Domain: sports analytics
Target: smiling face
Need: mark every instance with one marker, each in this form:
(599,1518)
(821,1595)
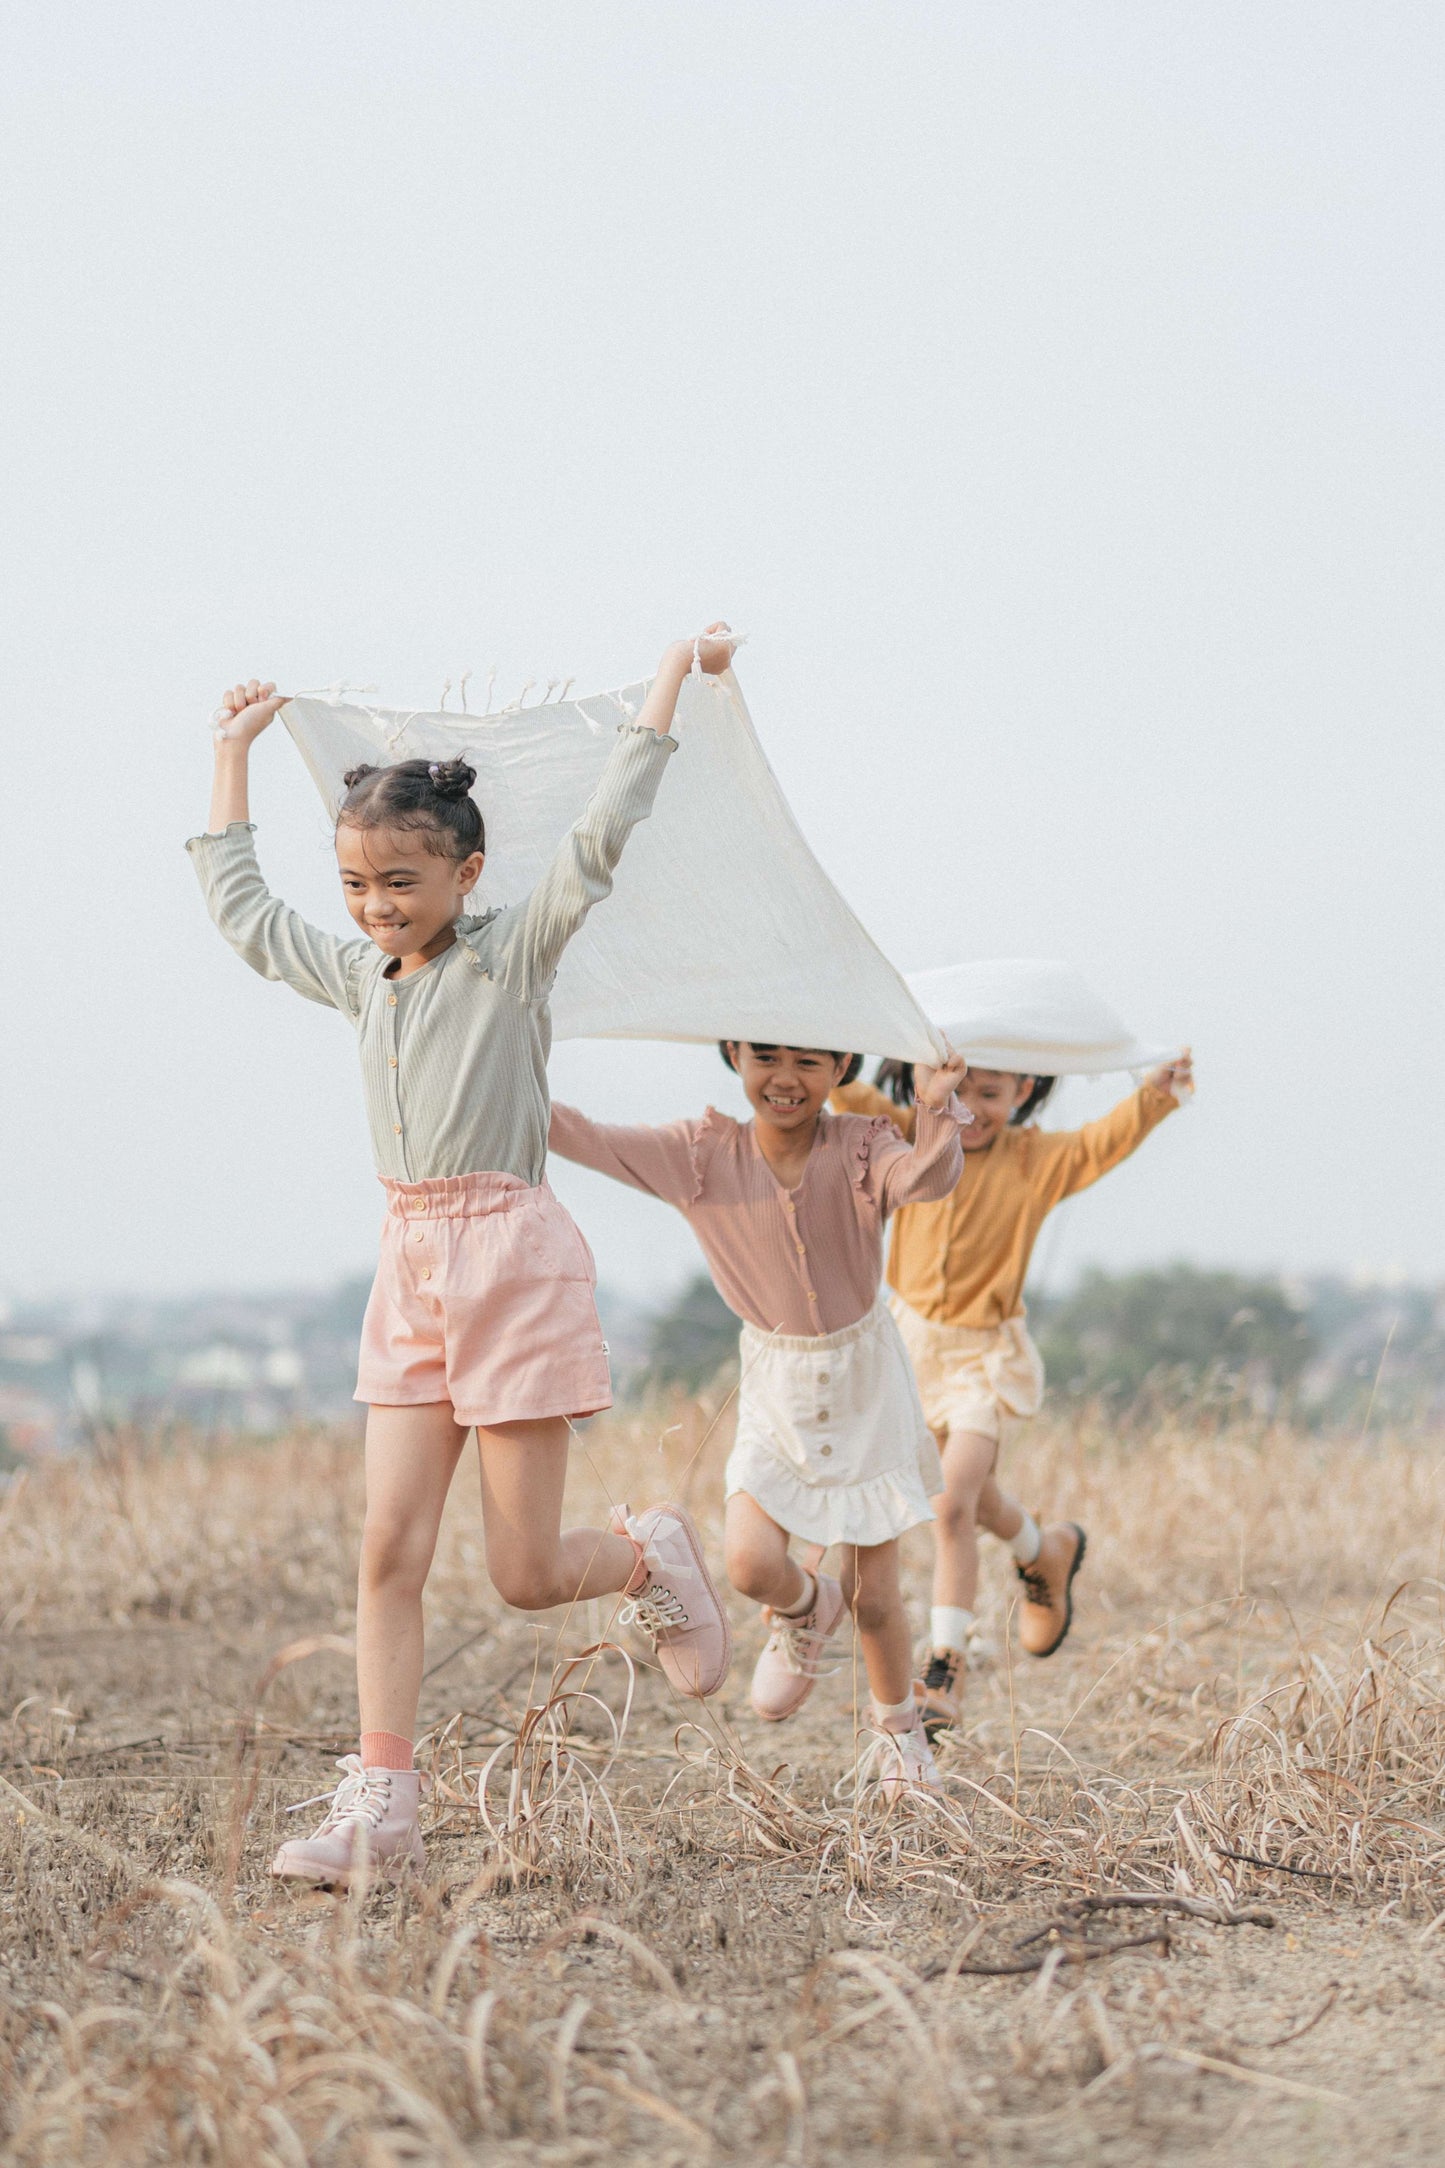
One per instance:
(991,1096)
(403,896)
(787,1086)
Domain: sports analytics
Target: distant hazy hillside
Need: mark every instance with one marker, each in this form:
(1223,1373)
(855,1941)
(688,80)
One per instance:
(209,1362)
(1322,1350)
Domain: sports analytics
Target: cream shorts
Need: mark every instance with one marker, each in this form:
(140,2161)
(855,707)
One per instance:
(971,1378)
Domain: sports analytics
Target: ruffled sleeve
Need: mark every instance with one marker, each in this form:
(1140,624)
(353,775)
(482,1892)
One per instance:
(890,1173)
(707,1135)
(867,1133)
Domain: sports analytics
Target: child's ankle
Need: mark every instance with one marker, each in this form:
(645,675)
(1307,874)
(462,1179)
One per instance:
(805,1602)
(949,1627)
(1026,1541)
(385,1750)
(894,1716)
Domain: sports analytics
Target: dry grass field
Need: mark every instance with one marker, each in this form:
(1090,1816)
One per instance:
(1182,1901)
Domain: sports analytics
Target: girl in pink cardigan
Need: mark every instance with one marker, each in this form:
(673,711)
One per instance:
(832,1446)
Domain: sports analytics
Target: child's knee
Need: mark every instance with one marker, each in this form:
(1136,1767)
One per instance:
(751,1571)
(527,1583)
(956,1512)
(392,1558)
(874,1608)
(871,1593)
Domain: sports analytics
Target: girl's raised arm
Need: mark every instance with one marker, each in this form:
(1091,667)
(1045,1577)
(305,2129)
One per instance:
(528,940)
(244,713)
(929,1167)
(265,933)
(1074,1159)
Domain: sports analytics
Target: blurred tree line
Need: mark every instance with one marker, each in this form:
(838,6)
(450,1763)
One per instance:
(1320,1351)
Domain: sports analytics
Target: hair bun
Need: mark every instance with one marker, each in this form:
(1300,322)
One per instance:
(353,776)
(451,778)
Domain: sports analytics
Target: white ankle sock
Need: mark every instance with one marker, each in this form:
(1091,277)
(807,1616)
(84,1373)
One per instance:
(896,1715)
(807,1600)
(1025,1545)
(949,1626)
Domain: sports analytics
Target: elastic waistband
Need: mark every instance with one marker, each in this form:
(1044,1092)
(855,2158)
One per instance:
(966,1336)
(756,1340)
(456,1196)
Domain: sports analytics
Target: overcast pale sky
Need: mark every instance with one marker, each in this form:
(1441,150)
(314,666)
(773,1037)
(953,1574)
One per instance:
(1053,393)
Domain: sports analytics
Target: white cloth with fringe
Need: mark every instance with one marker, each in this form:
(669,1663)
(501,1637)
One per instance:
(721,923)
(1038,1018)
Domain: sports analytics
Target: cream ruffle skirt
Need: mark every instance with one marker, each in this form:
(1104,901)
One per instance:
(831,1439)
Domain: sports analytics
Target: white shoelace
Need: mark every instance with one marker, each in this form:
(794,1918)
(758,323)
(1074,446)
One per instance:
(789,1641)
(656,1610)
(362,1795)
(901,1755)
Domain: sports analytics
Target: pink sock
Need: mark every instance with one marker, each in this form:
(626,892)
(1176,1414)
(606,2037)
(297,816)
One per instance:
(385,1750)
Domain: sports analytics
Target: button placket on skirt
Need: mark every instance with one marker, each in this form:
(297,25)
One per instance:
(822,1407)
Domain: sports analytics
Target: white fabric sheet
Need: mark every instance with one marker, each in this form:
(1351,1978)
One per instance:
(721,924)
(1042,1019)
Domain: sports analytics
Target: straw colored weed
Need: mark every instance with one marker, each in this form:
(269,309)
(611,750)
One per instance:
(658,1929)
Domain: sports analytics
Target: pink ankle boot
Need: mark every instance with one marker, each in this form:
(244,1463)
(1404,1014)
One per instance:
(674,1600)
(903,1759)
(370,1826)
(792,1658)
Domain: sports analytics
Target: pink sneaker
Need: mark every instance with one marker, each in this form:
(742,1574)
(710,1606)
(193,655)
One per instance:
(677,1605)
(789,1666)
(370,1824)
(904,1761)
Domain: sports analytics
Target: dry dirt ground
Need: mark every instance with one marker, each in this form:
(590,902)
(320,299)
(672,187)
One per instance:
(683,1936)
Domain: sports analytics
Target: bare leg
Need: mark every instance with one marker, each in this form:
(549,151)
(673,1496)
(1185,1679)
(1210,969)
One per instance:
(970,1499)
(875,1598)
(534,1565)
(756,1550)
(411,1456)
(1001,1515)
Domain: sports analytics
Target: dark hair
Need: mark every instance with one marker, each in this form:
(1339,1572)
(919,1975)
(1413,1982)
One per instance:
(854,1061)
(896,1078)
(431,796)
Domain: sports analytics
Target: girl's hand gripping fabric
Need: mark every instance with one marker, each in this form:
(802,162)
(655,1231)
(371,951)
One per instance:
(710,651)
(1176,1077)
(935,1087)
(245,711)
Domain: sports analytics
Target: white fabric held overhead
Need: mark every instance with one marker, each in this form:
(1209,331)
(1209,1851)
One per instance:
(721,923)
(1042,1019)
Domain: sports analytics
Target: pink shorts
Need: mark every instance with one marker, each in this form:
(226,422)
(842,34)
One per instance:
(484,1296)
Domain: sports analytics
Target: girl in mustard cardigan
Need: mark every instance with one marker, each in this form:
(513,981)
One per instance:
(956,1272)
